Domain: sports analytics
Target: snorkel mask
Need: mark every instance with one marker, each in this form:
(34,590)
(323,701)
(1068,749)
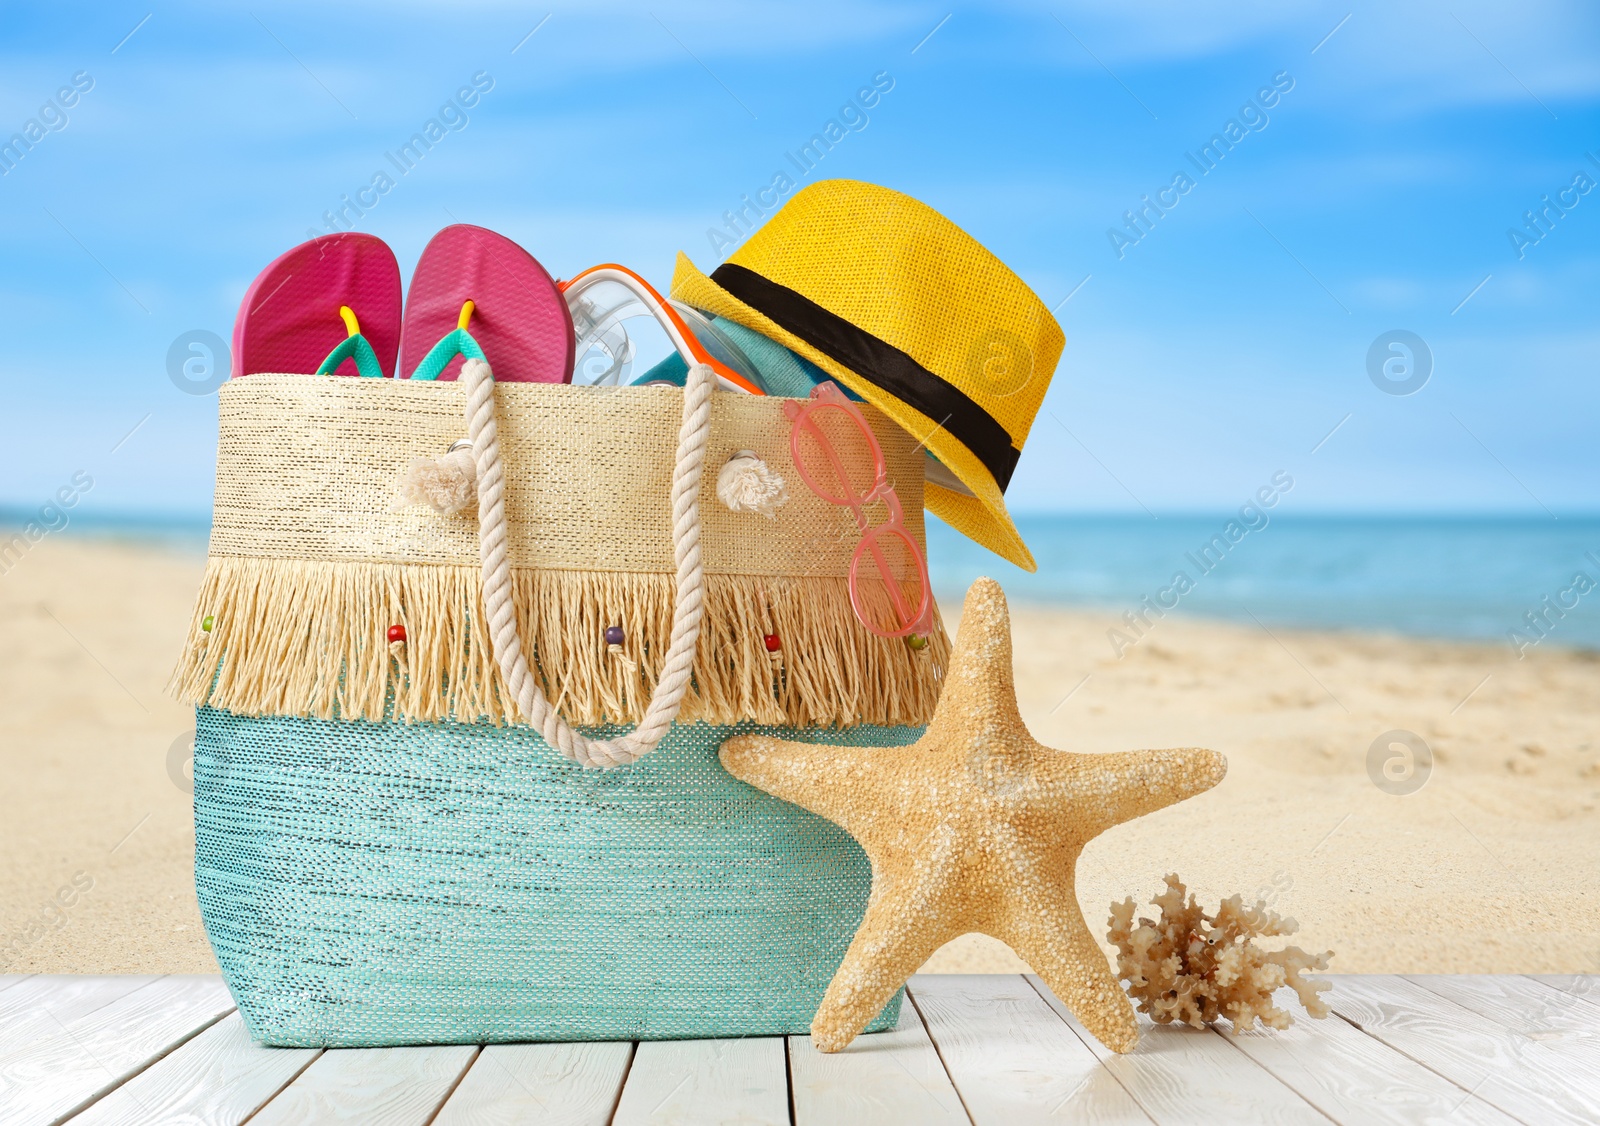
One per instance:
(627,331)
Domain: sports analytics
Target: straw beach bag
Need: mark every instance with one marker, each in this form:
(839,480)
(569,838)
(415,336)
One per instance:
(401,840)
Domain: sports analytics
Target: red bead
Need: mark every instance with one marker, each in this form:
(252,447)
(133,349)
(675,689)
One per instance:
(772,643)
(397,633)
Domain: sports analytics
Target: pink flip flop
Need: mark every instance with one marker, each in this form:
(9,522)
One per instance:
(290,320)
(518,317)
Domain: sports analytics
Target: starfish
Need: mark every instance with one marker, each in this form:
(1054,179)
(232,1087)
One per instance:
(974,827)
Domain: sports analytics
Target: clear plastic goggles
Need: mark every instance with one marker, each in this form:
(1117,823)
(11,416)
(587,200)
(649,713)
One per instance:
(629,334)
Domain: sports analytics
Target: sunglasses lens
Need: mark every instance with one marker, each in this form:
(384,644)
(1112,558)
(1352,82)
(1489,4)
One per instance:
(835,456)
(888,582)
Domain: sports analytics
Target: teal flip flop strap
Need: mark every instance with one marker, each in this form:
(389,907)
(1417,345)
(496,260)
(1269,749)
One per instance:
(456,342)
(356,348)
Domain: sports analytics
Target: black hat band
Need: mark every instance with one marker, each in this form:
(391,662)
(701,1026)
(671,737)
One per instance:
(879,363)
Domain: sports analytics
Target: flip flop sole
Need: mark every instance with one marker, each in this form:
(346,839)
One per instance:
(519,316)
(289,318)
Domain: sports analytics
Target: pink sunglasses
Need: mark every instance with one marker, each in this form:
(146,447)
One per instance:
(817,465)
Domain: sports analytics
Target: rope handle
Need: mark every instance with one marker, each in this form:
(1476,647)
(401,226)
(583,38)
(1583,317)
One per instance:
(688,607)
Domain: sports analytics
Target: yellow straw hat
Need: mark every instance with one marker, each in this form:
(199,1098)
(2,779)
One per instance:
(909,312)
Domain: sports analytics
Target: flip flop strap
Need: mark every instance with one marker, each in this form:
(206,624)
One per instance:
(356,348)
(688,607)
(456,342)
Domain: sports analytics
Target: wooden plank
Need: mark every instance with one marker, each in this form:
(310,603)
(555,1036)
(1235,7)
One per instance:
(1585,987)
(77,1047)
(219,1078)
(8,980)
(1565,1026)
(695,1082)
(1507,1070)
(554,1084)
(885,1079)
(1353,1077)
(1521,1004)
(68,997)
(1011,1058)
(392,1086)
(1183,1074)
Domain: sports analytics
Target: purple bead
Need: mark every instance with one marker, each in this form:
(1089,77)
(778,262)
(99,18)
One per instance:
(614,635)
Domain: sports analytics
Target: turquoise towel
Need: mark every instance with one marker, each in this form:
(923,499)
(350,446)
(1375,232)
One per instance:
(782,372)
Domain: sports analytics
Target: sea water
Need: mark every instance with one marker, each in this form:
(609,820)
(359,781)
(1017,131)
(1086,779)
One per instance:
(1424,576)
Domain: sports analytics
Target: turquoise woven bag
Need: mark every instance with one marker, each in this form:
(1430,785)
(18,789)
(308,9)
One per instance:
(388,850)
(367,884)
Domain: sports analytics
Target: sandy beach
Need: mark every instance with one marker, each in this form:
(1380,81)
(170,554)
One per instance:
(1493,865)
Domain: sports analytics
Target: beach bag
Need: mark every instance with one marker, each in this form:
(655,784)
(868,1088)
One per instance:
(390,849)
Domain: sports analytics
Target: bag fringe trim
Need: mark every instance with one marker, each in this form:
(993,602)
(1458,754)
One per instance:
(310,638)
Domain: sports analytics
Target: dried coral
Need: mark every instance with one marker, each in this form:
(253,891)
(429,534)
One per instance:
(1194,967)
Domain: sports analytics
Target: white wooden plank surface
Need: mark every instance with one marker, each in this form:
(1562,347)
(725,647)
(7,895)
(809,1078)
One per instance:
(1584,986)
(1352,1077)
(1503,1068)
(1521,1004)
(1012,1059)
(885,1079)
(1182,1074)
(78,1046)
(704,1082)
(219,1078)
(373,1086)
(1421,1049)
(552,1084)
(66,997)
(1565,1026)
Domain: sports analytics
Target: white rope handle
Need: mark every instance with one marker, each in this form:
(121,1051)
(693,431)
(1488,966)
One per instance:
(687,609)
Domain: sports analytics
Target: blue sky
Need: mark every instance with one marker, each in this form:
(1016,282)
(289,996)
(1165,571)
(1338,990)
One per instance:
(1221,348)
